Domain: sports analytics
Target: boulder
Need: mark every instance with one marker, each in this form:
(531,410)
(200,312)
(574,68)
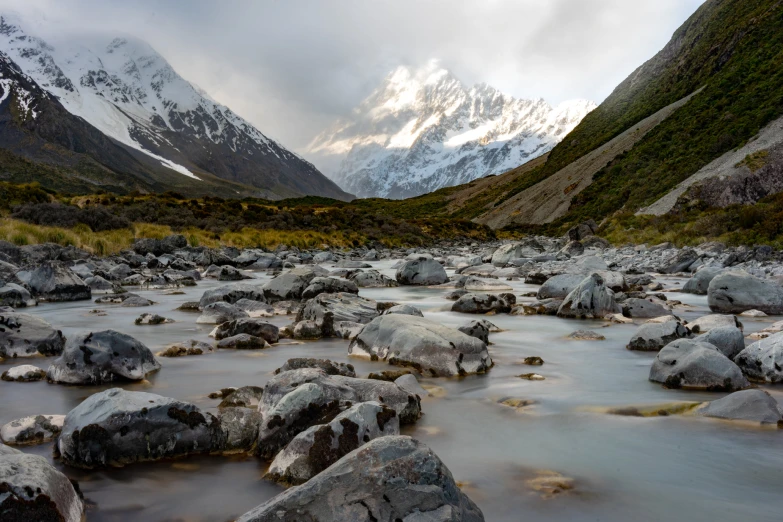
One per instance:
(328,285)
(152,320)
(746,405)
(99,357)
(477,329)
(421,271)
(505,253)
(430,347)
(255,327)
(651,337)
(242,341)
(410,384)
(372,279)
(320,446)
(590,299)
(484,303)
(117,427)
(559,286)
(25,335)
(240,429)
(157,247)
(644,308)
(727,339)
(689,364)
(244,397)
(32,490)
(32,430)
(348,263)
(343,307)
(735,292)
(762,361)
(582,230)
(55,282)
(586,335)
(298,399)
(405,310)
(331,368)
(474,284)
(220,312)
(231,294)
(700,282)
(389,478)
(16,296)
(289,285)
(190,347)
(23,373)
(706,323)
(229,273)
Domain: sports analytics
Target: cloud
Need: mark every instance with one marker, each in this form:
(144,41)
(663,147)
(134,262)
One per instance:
(292,67)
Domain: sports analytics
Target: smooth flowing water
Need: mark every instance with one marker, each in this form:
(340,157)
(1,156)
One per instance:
(623,468)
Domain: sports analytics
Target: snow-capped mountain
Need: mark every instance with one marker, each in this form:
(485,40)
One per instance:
(422,130)
(125,89)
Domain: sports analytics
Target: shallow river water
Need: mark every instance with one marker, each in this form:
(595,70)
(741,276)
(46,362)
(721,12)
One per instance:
(623,468)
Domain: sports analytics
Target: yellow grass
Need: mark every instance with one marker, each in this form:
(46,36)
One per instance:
(112,242)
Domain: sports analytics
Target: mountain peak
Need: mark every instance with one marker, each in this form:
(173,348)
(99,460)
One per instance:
(422,129)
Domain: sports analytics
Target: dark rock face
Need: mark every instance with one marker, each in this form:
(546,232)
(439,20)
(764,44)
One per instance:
(389,478)
(25,335)
(55,282)
(298,399)
(582,230)
(331,368)
(15,296)
(255,327)
(158,247)
(98,357)
(694,365)
(117,427)
(242,341)
(421,271)
(431,348)
(32,490)
(736,292)
(318,447)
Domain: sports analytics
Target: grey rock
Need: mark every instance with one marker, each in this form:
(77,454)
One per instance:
(700,282)
(342,306)
(220,312)
(231,294)
(689,364)
(389,478)
(559,286)
(421,271)
(320,446)
(25,335)
(644,309)
(34,491)
(706,323)
(99,357)
(255,327)
(117,427)
(430,347)
(762,361)
(55,282)
(240,429)
(289,285)
(328,285)
(484,303)
(405,310)
(16,296)
(190,347)
(477,329)
(372,279)
(23,373)
(330,367)
(736,292)
(651,337)
(746,405)
(728,339)
(244,397)
(242,341)
(590,299)
(229,273)
(410,384)
(36,429)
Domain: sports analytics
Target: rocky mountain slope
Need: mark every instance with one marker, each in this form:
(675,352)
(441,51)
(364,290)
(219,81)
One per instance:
(711,93)
(422,130)
(127,91)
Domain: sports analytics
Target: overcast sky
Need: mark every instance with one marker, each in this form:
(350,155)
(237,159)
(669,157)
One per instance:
(292,67)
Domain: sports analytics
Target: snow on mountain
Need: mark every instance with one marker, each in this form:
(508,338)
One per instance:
(123,87)
(422,130)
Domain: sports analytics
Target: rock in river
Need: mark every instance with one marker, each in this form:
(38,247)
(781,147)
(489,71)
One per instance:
(762,361)
(430,347)
(421,271)
(25,335)
(255,327)
(117,427)
(23,373)
(689,364)
(53,281)
(735,292)
(32,490)
(320,446)
(651,337)
(590,299)
(36,429)
(747,405)
(99,357)
(389,478)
